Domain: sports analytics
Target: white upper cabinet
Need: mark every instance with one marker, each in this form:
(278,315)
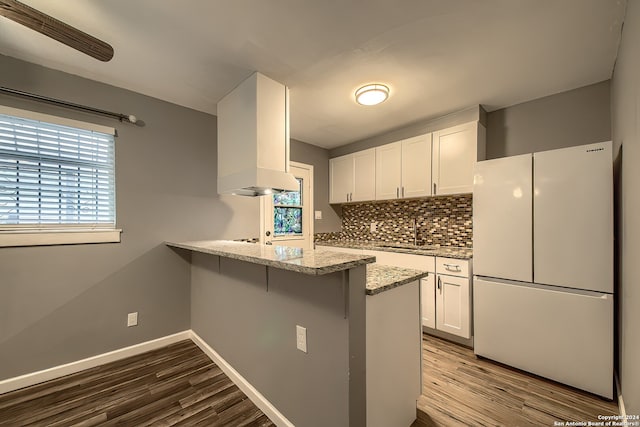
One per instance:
(455,152)
(352,177)
(341,179)
(389,171)
(364,175)
(416,166)
(403,168)
(431,164)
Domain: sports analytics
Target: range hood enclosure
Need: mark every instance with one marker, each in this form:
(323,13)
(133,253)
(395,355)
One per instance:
(253,139)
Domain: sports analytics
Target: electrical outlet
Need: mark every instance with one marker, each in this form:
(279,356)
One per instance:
(132,319)
(318,214)
(373,227)
(301,338)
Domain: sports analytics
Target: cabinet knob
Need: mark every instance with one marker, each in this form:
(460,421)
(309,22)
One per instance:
(440,284)
(397,192)
(434,188)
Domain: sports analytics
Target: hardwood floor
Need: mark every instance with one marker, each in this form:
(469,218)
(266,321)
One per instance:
(177,385)
(460,389)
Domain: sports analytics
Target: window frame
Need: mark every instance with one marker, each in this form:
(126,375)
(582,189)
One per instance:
(58,234)
(300,207)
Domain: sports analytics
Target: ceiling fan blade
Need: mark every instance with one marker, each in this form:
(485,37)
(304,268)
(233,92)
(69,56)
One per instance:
(58,30)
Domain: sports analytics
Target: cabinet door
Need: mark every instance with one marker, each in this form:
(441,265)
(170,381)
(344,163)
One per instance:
(428,300)
(340,179)
(364,172)
(416,166)
(388,171)
(452,305)
(455,152)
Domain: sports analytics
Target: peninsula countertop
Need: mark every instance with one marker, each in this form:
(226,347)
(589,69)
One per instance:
(382,278)
(306,261)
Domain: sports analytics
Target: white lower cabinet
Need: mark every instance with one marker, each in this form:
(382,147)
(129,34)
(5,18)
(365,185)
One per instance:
(428,301)
(445,294)
(453,296)
(453,308)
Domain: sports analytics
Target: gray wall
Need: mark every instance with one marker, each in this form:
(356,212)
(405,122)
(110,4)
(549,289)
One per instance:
(319,158)
(249,317)
(59,304)
(626,132)
(418,128)
(576,117)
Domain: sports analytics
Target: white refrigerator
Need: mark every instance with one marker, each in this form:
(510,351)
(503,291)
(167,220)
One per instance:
(543,264)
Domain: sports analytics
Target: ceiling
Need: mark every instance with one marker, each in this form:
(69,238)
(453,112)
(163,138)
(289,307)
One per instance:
(437,56)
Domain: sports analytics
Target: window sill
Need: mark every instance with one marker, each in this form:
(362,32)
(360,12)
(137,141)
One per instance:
(16,238)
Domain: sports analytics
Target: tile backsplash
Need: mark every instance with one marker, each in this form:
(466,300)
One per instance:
(442,220)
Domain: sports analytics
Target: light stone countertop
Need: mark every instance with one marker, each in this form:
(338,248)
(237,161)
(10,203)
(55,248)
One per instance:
(441,251)
(306,261)
(382,278)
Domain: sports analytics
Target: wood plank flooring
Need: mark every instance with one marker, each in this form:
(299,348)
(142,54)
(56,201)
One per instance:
(177,385)
(462,390)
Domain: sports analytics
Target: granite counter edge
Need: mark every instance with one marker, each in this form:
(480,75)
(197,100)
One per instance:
(283,265)
(440,252)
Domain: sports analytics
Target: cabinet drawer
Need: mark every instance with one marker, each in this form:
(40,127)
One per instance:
(452,266)
(396,259)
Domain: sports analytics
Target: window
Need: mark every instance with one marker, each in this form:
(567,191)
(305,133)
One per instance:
(57,180)
(287,212)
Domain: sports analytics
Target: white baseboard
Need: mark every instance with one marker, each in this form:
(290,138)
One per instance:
(256,397)
(33,378)
(623,411)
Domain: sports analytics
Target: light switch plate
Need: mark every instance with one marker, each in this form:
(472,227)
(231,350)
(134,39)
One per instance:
(301,338)
(132,319)
(318,214)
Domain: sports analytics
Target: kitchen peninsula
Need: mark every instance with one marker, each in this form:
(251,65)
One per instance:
(362,360)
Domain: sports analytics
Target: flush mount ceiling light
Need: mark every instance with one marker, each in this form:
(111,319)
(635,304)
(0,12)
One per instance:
(372,94)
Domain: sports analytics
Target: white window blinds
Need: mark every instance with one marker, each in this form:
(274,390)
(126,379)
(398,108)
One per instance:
(55,176)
